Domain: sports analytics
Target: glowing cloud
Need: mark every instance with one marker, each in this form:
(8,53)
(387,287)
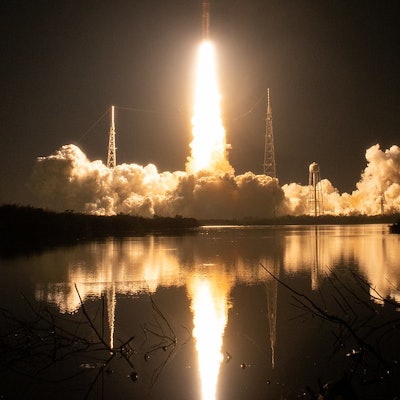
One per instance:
(377,191)
(68,180)
(208,148)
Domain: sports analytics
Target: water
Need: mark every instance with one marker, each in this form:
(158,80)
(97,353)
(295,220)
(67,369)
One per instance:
(226,312)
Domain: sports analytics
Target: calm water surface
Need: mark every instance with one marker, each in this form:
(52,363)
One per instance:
(224,313)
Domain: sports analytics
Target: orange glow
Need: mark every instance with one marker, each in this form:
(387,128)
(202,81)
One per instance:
(208,147)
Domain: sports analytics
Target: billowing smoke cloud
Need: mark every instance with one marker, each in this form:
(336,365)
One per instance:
(378,189)
(68,180)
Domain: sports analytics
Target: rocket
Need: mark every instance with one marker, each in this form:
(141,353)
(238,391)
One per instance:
(206,19)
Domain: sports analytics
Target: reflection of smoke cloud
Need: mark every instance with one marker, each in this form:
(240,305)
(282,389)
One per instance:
(68,180)
(224,256)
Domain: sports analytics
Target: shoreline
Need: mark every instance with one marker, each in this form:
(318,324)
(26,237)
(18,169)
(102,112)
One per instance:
(24,229)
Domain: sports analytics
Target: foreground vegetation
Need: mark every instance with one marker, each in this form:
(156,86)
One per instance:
(23,227)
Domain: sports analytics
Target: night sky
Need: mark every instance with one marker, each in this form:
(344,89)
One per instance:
(332,68)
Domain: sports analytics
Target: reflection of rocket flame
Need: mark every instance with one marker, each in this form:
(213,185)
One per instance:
(272,306)
(111,303)
(315,266)
(210,316)
(206,19)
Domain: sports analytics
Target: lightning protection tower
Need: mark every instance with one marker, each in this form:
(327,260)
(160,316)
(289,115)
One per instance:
(315,200)
(112,155)
(269,151)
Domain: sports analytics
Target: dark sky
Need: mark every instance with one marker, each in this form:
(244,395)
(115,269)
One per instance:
(332,67)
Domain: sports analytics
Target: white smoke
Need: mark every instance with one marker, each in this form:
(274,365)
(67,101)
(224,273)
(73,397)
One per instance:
(68,180)
(377,190)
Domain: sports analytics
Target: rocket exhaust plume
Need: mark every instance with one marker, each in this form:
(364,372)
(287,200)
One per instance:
(206,19)
(208,147)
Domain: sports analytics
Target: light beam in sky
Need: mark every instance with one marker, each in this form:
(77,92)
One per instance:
(208,147)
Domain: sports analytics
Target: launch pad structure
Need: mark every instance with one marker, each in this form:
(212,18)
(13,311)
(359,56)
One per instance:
(112,155)
(269,165)
(315,200)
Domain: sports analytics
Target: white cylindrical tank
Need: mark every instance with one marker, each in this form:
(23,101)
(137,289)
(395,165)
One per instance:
(315,195)
(314,167)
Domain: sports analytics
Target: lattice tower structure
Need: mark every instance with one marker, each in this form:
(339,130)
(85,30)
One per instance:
(315,199)
(112,155)
(383,202)
(269,149)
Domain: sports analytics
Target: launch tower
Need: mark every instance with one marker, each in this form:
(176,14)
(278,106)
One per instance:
(315,200)
(269,150)
(112,156)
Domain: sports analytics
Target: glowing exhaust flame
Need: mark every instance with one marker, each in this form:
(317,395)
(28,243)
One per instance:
(210,316)
(208,148)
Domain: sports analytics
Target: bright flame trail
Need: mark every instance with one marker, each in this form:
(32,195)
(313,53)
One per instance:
(208,148)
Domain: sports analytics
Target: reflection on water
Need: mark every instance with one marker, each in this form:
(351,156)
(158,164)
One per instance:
(136,265)
(209,302)
(111,302)
(272,305)
(209,266)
